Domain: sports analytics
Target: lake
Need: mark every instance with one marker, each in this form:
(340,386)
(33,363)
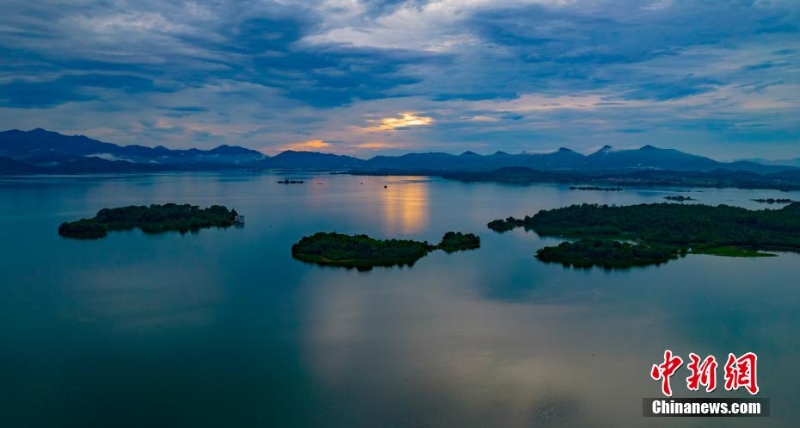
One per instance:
(222,328)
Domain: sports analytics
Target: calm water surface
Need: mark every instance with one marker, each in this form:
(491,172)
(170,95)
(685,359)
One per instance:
(224,329)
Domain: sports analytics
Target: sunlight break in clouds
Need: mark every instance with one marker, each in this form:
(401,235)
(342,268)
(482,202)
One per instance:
(406,120)
(382,146)
(303,146)
(717,78)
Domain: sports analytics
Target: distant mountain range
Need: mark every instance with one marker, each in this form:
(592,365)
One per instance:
(57,153)
(783,162)
(605,159)
(45,152)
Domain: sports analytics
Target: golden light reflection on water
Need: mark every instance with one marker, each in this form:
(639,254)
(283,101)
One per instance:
(405,205)
(473,354)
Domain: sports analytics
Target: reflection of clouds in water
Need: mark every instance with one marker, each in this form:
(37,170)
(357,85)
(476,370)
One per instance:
(576,352)
(337,322)
(486,338)
(117,296)
(506,364)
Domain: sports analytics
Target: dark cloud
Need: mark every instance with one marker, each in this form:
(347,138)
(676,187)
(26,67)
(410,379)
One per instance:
(476,96)
(558,46)
(335,77)
(669,90)
(187,109)
(67,88)
(516,74)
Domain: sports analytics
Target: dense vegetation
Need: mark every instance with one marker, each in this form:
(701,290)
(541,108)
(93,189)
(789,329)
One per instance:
(457,241)
(787,180)
(679,198)
(509,223)
(607,253)
(602,189)
(150,219)
(774,201)
(662,228)
(363,252)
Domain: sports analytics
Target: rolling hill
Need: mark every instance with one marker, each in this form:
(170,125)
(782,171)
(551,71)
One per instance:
(41,151)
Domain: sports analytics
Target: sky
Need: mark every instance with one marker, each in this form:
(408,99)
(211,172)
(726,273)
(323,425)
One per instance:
(719,78)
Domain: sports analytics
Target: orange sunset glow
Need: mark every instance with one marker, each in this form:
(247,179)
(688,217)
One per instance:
(405,205)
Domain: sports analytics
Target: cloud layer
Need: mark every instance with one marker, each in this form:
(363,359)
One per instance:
(720,78)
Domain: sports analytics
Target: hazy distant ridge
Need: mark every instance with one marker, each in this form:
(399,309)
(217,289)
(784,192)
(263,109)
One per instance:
(41,151)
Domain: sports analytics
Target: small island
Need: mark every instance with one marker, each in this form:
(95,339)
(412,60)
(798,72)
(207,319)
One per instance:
(150,219)
(509,223)
(364,253)
(287,181)
(679,198)
(601,189)
(607,253)
(457,241)
(645,234)
(773,201)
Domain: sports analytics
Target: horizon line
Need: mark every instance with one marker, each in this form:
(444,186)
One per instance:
(588,152)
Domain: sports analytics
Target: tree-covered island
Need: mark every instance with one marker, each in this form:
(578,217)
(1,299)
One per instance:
(150,219)
(607,253)
(597,188)
(619,237)
(457,241)
(679,198)
(363,252)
